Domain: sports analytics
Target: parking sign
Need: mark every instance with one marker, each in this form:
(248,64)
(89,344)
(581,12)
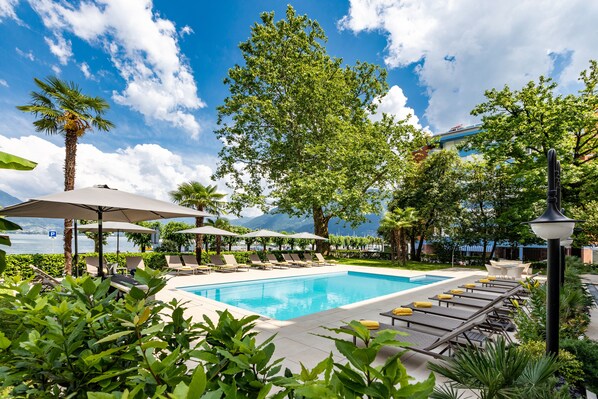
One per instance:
(52,233)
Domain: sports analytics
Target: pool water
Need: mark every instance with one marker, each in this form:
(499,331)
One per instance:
(290,297)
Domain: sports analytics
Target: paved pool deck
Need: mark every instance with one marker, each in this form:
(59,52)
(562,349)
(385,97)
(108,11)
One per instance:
(295,340)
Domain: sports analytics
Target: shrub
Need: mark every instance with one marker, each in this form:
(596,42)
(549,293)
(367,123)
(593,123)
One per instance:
(586,351)
(568,365)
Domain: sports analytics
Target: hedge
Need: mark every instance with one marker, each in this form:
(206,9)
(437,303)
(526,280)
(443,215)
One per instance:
(53,264)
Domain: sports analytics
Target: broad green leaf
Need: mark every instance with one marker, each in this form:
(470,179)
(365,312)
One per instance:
(8,225)
(9,161)
(115,336)
(198,383)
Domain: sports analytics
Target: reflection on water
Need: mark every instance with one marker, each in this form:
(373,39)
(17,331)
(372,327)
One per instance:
(42,244)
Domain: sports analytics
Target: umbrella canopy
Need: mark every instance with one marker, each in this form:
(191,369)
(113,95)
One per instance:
(116,227)
(88,203)
(99,203)
(208,230)
(307,236)
(263,233)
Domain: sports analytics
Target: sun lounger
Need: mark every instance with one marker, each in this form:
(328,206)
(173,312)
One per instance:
(221,266)
(255,261)
(133,263)
(92,265)
(437,310)
(191,261)
(231,260)
(298,261)
(320,257)
(43,278)
(276,263)
(467,302)
(124,284)
(314,262)
(173,263)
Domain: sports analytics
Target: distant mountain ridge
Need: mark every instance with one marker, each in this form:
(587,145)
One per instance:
(284,222)
(31,225)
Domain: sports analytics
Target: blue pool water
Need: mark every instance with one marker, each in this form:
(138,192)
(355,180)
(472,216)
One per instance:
(287,298)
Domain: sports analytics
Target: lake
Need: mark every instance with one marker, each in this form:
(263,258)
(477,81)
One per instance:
(42,244)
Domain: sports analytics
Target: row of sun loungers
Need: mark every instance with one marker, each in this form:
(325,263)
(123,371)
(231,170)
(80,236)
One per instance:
(478,312)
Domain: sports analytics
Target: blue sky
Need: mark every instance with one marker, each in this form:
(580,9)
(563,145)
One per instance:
(161,64)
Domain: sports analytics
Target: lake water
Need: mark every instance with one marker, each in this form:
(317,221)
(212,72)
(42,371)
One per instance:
(42,244)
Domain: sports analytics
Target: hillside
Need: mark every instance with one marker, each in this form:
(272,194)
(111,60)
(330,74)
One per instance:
(284,222)
(31,225)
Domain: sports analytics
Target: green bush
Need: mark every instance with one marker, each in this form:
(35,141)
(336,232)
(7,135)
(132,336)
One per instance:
(569,366)
(586,351)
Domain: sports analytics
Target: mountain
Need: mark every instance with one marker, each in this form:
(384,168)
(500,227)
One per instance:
(31,225)
(284,222)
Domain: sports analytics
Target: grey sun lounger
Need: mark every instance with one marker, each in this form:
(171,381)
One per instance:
(220,266)
(290,261)
(43,278)
(496,290)
(230,259)
(470,303)
(473,295)
(256,262)
(314,262)
(297,260)
(174,263)
(459,314)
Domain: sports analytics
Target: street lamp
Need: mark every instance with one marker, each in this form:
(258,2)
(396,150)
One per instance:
(553,226)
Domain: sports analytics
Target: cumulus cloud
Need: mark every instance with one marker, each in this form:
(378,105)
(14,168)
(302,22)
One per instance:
(146,169)
(25,54)
(60,47)
(56,69)
(465,47)
(395,103)
(7,9)
(142,46)
(3,83)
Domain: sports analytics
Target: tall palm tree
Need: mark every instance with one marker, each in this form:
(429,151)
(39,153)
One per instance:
(63,109)
(395,222)
(221,224)
(202,198)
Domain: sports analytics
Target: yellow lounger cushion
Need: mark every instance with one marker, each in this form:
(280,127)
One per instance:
(456,291)
(422,304)
(484,280)
(402,311)
(370,324)
(444,296)
(469,285)
(491,278)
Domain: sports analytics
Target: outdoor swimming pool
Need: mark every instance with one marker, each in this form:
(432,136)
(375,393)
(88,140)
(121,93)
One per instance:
(290,297)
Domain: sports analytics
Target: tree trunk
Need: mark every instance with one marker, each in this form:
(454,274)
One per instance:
(403,242)
(492,250)
(198,239)
(412,239)
(484,243)
(420,245)
(143,249)
(321,229)
(218,243)
(70,146)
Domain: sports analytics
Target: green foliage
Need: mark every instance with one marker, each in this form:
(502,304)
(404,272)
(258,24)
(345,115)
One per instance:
(9,161)
(141,240)
(169,233)
(499,371)
(394,224)
(299,119)
(80,338)
(574,310)
(570,367)
(586,351)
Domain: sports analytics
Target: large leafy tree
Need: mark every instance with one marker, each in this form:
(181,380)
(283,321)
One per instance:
(63,109)
(202,198)
(520,126)
(142,240)
(432,188)
(297,131)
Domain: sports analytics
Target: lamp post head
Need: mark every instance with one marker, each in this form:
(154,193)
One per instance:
(553,224)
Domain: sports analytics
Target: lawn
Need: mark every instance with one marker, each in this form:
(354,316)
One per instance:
(411,265)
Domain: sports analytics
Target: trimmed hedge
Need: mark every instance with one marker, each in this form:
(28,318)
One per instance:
(53,264)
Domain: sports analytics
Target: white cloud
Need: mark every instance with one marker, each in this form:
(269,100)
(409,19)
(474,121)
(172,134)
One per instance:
(3,83)
(56,69)
(466,46)
(25,54)
(60,47)
(7,9)
(84,67)
(144,49)
(146,169)
(185,30)
(395,103)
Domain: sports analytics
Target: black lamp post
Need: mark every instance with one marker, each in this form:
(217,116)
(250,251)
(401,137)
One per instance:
(553,226)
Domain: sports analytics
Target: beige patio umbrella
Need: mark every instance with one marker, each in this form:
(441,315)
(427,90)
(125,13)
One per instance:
(117,227)
(208,230)
(308,236)
(263,234)
(99,203)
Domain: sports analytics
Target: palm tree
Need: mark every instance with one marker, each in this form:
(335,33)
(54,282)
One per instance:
(395,222)
(221,224)
(202,198)
(63,109)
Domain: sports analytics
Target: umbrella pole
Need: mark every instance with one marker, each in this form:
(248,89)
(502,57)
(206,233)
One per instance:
(117,246)
(101,246)
(76,250)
